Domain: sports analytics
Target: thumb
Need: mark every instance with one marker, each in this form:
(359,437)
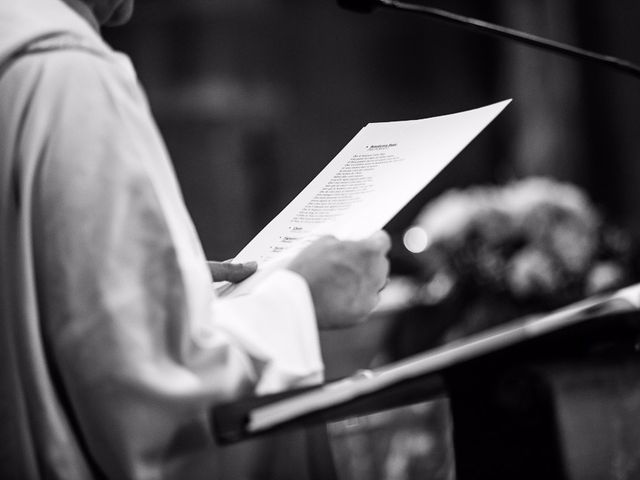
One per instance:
(380,241)
(231,272)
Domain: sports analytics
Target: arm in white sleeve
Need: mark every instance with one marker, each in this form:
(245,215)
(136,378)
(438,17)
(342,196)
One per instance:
(286,344)
(142,346)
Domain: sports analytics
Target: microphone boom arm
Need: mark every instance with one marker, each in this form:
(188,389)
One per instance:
(498,31)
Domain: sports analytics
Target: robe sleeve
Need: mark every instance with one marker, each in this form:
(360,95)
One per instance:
(141,346)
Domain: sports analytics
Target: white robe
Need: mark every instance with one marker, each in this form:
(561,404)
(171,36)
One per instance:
(113,347)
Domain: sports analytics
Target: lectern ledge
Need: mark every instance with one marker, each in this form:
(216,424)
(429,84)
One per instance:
(555,396)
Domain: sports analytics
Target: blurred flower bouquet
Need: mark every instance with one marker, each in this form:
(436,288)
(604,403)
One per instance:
(487,255)
(532,245)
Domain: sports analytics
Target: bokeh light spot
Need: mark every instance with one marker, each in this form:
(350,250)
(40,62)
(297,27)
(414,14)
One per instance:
(415,240)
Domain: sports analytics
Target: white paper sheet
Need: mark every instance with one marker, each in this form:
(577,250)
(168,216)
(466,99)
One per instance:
(374,176)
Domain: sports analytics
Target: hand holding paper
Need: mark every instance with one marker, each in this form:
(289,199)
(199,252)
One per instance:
(379,171)
(346,282)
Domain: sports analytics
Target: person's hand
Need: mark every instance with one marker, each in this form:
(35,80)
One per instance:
(345,277)
(228,271)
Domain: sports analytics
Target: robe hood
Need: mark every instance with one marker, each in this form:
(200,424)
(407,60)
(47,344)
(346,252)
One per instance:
(23,21)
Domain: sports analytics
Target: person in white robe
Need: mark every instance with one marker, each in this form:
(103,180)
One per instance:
(113,346)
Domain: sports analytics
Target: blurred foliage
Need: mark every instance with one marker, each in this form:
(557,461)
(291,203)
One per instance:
(533,245)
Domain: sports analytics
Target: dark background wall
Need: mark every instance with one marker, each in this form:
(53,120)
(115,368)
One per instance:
(256,96)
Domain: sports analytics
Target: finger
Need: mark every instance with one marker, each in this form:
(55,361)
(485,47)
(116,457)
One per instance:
(384,285)
(379,274)
(231,272)
(380,241)
(384,275)
(372,303)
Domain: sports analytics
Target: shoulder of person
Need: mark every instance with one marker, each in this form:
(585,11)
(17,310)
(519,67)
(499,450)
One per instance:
(65,42)
(69,55)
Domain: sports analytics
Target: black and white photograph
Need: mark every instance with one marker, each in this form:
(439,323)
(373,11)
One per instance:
(319,240)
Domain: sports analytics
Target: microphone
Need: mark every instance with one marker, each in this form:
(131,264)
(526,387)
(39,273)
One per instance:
(368,6)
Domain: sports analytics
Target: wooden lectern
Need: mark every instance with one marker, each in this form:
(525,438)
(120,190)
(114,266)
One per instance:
(566,409)
(561,402)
